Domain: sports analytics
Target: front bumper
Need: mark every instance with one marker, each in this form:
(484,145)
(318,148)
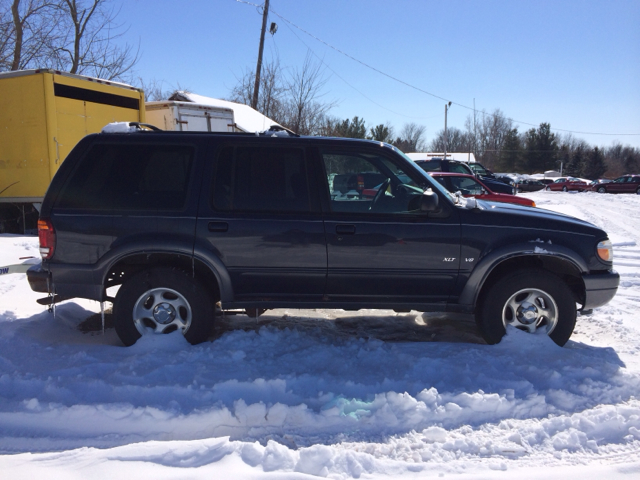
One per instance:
(600,288)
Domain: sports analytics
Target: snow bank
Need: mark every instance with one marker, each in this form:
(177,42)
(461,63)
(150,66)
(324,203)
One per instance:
(319,393)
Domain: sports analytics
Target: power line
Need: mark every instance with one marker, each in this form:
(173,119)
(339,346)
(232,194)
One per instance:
(418,88)
(339,76)
(349,84)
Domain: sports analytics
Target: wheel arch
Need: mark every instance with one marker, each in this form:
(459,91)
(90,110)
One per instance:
(556,259)
(211,274)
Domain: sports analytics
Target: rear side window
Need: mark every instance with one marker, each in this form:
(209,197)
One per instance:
(258,179)
(130,177)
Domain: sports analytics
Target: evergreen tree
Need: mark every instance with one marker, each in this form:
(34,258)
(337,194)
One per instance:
(510,158)
(351,128)
(575,165)
(381,133)
(594,166)
(540,149)
(531,161)
(547,147)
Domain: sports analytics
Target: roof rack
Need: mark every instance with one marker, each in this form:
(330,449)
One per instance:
(279,131)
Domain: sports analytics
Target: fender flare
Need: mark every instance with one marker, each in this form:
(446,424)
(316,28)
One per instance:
(177,246)
(489,262)
(212,260)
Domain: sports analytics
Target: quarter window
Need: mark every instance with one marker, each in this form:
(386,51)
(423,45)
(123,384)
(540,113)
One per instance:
(130,177)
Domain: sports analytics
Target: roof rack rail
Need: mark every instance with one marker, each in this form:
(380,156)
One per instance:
(279,130)
(142,126)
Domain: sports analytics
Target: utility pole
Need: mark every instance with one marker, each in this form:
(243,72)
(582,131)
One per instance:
(446,140)
(256,87)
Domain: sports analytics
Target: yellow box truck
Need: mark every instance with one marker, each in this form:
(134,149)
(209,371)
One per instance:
(43,114)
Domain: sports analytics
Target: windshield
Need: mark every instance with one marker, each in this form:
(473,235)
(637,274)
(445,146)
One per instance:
(430,183)
(479,169)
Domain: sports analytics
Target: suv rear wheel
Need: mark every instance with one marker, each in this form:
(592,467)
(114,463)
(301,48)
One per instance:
(530,301)
(162,300)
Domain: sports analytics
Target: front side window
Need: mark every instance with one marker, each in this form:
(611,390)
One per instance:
(130,177)
(369,183)
(258,179)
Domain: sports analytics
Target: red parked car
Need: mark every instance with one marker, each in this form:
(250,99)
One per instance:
(568,184)
(624,184)
(470,186)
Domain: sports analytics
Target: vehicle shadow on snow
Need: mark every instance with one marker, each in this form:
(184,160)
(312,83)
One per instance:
(400,327)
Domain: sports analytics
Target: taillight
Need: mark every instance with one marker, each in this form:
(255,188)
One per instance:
(360,183)
(47,237)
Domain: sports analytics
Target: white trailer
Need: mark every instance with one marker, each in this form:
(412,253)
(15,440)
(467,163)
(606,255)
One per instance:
(189,117)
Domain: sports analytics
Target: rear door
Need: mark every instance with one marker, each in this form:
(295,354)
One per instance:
(259,215)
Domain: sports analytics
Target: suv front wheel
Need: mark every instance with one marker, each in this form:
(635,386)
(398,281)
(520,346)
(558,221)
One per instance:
(530,301)
(159,301)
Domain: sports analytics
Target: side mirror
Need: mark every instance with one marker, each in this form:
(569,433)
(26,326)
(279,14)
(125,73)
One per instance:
(429,201)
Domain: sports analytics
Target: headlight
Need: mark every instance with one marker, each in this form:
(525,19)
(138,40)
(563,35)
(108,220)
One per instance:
(605,251)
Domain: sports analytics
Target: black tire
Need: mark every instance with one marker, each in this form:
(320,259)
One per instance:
(163,300)
(494,311)
(564,189)
(602,190)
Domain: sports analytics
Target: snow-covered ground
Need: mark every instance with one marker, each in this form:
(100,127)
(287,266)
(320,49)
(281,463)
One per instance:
(297,394)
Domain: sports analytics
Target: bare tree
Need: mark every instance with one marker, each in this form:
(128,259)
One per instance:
(91,44)
(77,36)
(411,138)
(271,93)
(304,113)
(6,35)
(492,132)
(457,141)
(471,127)
(29,30)
(156,90)
(621,160)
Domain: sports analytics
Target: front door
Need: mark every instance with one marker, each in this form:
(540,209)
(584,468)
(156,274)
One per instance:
(381,247)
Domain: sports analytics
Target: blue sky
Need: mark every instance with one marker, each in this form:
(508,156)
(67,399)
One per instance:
(572,63)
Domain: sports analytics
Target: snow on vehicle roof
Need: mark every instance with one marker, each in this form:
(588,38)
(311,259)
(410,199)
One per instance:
(246,118)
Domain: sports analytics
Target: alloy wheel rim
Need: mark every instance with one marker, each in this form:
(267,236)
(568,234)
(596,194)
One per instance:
(162,310)
(531,309)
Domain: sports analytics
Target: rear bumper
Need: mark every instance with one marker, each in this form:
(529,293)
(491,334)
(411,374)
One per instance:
(600,288)
(39,279)
(67,282)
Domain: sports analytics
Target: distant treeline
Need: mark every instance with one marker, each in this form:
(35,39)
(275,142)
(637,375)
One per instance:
(502,148)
